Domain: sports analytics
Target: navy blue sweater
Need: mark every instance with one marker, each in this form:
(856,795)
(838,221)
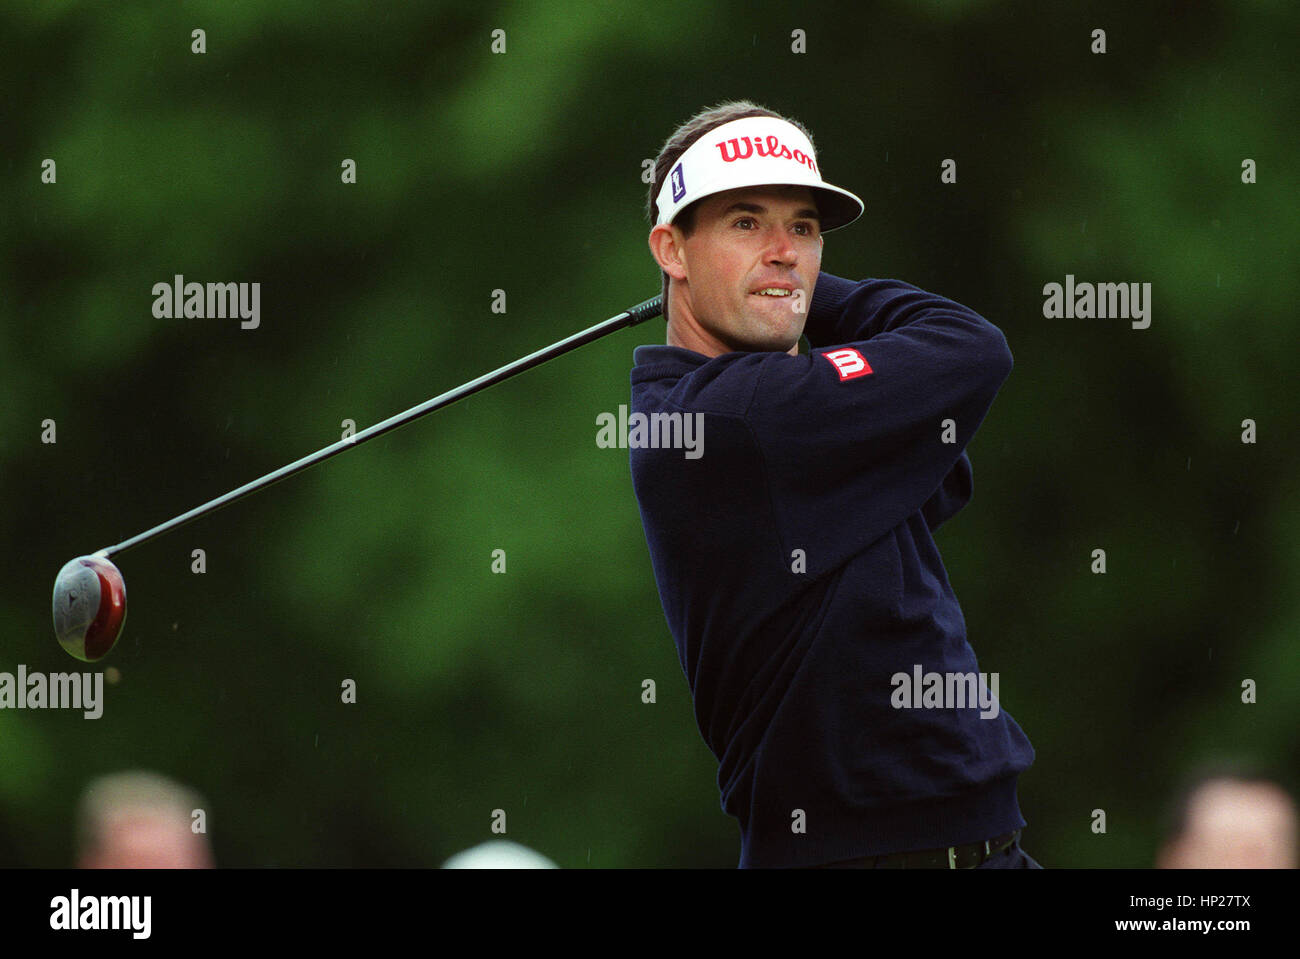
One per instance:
(789,656)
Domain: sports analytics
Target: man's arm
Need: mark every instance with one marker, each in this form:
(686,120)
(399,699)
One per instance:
(852,435)
(953,493)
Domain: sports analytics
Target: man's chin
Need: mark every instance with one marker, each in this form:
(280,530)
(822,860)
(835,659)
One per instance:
(772,342)
(760,334)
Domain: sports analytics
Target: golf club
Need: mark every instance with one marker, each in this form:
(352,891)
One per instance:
(89,592)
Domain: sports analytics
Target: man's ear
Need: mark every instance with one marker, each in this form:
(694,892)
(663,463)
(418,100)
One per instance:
(666,247)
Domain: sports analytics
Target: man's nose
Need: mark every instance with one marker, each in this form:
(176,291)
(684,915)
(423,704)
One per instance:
(781,246)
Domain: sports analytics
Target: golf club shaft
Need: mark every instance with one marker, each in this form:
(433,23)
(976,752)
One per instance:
(629,317)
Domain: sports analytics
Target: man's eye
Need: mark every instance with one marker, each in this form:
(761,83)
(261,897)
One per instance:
(806,229)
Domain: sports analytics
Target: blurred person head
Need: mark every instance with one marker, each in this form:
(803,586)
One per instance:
(499,854)
(139,820)
(1230,816)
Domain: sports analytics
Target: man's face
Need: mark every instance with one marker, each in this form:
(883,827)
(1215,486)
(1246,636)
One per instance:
(745,240)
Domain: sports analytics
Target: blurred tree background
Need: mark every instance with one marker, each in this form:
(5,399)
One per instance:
(521,171)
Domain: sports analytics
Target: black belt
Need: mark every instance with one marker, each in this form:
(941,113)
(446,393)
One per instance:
(952,857)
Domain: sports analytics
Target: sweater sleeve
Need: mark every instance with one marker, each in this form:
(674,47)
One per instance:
(953,493)
(852,434)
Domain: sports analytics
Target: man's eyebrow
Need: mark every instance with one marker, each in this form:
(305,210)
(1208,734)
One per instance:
(807,213)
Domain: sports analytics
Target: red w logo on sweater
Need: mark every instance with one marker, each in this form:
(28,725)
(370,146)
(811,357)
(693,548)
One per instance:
(849,363)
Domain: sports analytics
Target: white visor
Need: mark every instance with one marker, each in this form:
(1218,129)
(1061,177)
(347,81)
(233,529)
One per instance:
(754,151)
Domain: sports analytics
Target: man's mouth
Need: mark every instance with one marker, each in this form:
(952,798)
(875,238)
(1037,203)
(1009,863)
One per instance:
(773,291)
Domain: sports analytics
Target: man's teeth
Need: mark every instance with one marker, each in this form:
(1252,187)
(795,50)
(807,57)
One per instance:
(773,291)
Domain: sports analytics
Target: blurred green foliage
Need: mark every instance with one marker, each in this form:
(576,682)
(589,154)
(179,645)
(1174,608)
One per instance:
(521,172)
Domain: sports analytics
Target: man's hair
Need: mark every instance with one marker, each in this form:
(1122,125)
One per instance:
(1177,813)
(677,144)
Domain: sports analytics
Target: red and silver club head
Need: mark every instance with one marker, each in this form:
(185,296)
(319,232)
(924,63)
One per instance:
(89,607)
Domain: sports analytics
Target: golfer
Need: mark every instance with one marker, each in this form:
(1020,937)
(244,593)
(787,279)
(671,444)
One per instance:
(824,648)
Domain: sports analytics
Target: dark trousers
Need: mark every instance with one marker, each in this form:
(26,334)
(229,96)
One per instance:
(1013,857)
